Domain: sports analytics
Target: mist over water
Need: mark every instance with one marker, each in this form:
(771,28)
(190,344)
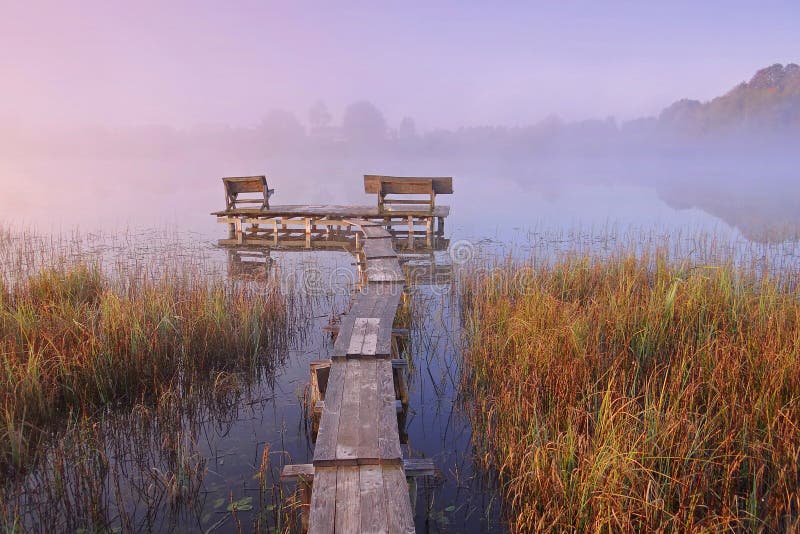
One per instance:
(752,194)
(562,126)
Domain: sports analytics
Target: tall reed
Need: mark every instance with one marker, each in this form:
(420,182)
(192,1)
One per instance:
(77,336)
(634,391)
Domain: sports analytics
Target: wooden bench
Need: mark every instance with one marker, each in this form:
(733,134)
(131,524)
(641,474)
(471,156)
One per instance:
(398,185)
(235,186)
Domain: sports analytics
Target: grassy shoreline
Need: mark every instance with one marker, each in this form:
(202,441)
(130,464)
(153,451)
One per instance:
(77,337)
(633,392)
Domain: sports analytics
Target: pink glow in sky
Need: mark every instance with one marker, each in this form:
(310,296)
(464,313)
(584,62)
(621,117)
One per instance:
(443,63)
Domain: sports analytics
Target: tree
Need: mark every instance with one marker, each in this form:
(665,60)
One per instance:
(280,128)
(318,115)
(407,129)
(363,123)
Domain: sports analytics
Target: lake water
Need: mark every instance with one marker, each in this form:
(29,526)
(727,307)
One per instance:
(497,208)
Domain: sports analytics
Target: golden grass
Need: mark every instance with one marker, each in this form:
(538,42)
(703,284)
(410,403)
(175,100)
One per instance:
(634,393)
(77,337)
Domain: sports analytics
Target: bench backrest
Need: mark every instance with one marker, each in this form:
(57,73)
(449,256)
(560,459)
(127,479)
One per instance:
(236,185)
(408,185)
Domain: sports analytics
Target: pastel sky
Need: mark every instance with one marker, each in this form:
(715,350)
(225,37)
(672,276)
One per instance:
(444,63)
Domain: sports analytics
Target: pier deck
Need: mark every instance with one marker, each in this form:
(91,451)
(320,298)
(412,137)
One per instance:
(332,211)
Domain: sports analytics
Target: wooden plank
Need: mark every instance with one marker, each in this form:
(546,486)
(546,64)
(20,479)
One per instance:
(375,232)
(413,467)
(391,301)
(323,501)
(341,346)
(371,336)
(330,211)
(388,435)
(379,248)
(419,467)
(374,513)
(385,270)
(357,336)
(368,449)
(400,517)
(325,448)
(349,426)
(295,471)
(348,500)
(334,329)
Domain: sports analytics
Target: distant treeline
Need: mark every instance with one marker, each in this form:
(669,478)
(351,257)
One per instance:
(755,114)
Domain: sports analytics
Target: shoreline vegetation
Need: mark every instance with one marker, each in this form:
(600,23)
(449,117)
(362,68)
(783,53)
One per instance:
(113,356)
(636,390)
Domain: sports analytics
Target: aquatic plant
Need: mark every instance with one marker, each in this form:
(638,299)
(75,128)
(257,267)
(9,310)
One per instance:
(77,337)
(636,391)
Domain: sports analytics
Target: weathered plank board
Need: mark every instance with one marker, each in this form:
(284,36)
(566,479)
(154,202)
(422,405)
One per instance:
(327,436)
(378,248)
(323,501)
(348,500)
(364,337)
(331,211)
(368,450)
(413,467)
(347,439)
(375,232)
(374,508)
(376,301)
(400,516)
(371,337)
(390,299)
(385,270)
(388,434)
(441,185)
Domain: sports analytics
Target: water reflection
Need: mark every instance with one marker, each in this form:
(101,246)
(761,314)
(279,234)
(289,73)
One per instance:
(754,195)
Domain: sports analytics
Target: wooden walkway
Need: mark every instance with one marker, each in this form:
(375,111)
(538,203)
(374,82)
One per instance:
(358,478)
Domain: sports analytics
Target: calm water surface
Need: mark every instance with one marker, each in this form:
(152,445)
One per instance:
(227,438)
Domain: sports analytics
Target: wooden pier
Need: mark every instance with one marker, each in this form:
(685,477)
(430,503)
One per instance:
(414,215)
(359,480)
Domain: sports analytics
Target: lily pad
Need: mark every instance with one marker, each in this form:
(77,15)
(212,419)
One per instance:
(242,505)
